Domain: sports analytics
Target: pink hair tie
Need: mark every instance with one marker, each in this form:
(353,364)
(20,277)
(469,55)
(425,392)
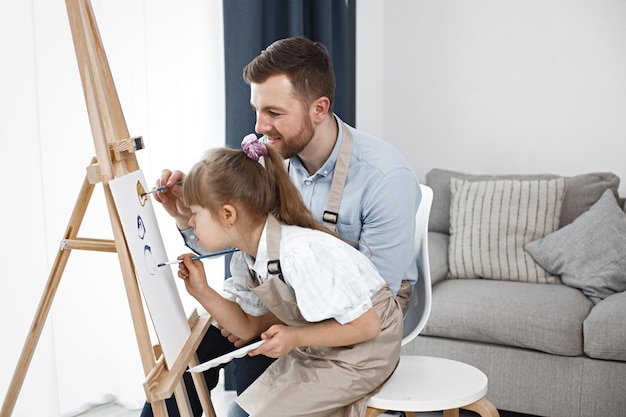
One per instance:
(253,147)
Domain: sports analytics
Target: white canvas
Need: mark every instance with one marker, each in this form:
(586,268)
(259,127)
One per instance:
(147,250)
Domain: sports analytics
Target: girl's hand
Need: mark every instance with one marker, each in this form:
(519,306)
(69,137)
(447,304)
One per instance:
(281,340)
(192,272)
(172,197)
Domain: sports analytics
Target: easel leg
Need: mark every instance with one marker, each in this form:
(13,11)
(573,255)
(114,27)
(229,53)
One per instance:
(182,400)
(46,300)
(159,409)
(202,390)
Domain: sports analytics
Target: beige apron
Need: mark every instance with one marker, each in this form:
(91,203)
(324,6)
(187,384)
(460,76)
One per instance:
(331,214)
(320,381)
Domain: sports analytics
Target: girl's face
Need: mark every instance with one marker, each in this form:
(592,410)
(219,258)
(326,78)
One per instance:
(211,232)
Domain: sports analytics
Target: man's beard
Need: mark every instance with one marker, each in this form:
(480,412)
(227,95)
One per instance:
(294,145)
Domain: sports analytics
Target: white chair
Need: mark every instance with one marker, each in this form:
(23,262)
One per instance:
(423,383)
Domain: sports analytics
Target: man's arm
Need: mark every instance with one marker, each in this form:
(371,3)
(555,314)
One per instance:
(388,230)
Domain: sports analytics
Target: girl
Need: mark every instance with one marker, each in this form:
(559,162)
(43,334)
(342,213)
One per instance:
(341,328)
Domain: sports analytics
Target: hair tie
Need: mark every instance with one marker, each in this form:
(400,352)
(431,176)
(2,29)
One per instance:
(253,147)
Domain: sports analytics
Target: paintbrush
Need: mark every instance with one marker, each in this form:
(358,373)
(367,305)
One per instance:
(161,188)
(195,258)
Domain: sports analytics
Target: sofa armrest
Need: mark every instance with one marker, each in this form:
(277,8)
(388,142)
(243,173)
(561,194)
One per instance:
(438,256)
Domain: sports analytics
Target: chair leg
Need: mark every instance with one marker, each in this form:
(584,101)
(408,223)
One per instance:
(483,407)
(373,412)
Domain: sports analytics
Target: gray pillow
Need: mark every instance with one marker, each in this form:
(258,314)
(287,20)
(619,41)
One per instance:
(580,193)
(590,253)
(491,221)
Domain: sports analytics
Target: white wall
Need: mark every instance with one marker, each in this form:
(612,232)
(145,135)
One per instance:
(488,86)
(166,60)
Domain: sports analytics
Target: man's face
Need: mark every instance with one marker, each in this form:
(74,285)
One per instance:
(280,116)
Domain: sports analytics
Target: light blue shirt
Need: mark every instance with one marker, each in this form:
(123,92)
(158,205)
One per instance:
(378,206)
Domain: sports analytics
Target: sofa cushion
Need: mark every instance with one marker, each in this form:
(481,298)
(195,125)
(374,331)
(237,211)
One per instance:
(605,329)
(491,221)
(547,318)
(438,256)
(580,193)
(590,253)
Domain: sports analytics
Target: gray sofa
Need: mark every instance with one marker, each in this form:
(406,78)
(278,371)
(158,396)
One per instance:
(546,321)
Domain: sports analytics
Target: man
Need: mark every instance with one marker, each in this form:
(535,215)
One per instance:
(351,181)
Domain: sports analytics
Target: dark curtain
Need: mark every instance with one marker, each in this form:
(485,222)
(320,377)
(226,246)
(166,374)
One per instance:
(251,25)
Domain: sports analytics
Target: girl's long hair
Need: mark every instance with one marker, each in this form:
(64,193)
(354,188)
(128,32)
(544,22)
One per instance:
(228,176)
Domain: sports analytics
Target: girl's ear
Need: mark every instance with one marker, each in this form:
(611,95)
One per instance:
(229,214)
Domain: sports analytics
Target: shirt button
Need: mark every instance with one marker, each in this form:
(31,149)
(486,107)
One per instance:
(307,182)
(193,237)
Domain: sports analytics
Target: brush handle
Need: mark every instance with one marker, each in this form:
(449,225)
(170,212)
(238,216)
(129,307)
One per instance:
(156,190)
(161,188)
(196,258)
(169,263)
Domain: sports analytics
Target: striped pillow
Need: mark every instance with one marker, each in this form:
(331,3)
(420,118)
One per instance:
(491,221)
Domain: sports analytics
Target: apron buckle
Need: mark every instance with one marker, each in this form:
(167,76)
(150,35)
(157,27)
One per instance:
(273,267)
(330,217)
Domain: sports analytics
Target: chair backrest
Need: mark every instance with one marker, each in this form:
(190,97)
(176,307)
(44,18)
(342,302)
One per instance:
(421,296)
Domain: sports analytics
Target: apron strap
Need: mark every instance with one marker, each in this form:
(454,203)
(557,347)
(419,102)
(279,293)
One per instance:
(273,246)
(331,214)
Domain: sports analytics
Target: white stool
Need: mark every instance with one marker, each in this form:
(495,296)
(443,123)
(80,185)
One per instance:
(424,383)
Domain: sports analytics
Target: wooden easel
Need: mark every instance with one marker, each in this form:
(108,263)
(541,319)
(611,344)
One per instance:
(115,157)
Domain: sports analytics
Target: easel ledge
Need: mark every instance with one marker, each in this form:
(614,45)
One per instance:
(160,383)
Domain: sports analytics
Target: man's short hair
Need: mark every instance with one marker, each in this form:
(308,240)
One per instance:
(306,64)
